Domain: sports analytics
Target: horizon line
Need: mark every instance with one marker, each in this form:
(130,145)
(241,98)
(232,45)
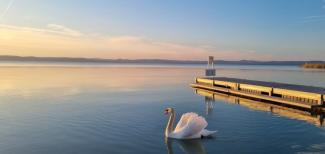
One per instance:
(158,59)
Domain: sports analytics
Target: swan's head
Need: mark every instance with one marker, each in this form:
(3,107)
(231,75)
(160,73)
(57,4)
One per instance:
(168,111)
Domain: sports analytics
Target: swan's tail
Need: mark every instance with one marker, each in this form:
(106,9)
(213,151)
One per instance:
(207,133)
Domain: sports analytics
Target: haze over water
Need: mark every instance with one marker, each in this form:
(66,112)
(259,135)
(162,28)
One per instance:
(119,109)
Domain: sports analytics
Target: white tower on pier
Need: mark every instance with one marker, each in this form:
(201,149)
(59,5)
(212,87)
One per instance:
(210,70)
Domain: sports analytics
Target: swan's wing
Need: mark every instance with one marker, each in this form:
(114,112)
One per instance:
(207,133)
(184,120)
(193,128)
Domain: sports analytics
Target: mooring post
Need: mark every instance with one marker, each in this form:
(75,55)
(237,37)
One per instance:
(237,86)
(321,100)
(271,92)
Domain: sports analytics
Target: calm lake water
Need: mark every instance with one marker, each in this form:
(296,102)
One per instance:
(119,109)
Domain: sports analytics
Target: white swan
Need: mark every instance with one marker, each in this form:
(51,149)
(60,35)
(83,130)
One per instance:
(190,126)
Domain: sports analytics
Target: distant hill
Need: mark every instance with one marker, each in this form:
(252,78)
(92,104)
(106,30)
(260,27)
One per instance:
(146,61)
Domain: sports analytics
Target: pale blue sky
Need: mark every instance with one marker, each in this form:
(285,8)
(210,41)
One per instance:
(280,29)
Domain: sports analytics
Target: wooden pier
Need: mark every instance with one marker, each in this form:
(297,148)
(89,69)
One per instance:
(304,97)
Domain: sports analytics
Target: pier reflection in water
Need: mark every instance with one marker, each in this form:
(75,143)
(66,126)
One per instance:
(292,113)
(209,104)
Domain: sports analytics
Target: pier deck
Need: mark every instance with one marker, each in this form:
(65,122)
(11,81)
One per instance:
(306,97)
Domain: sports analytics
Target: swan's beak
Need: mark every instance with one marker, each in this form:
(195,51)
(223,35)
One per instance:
(165,112)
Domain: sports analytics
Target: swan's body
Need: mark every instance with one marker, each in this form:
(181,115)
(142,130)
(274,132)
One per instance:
(190,126)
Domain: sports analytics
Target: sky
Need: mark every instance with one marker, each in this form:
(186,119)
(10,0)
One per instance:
(164,29)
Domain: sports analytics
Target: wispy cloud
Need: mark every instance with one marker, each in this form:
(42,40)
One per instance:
(64,30)
(316,18)
(3,14)
(50,29)
(58,40)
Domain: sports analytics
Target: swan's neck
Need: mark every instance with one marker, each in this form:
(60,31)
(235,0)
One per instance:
(170,123)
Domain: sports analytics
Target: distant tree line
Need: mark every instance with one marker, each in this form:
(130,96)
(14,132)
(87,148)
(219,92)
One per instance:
(314,65)
(153,61)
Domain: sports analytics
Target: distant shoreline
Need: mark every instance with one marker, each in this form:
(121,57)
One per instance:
(9,58)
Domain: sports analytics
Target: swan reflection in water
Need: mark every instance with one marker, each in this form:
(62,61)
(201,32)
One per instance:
(191,146)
